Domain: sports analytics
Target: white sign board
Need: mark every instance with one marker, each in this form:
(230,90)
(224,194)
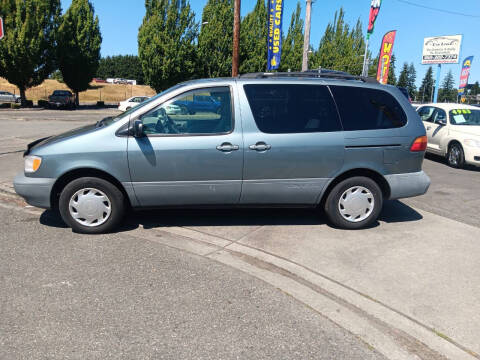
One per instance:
(442,49)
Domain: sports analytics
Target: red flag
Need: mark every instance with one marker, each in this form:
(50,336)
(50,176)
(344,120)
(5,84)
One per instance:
(374,10)
(1,28)
(386,52)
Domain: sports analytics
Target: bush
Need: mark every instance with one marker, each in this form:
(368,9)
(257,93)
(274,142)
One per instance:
(14,106)
(100,103)
(43,103)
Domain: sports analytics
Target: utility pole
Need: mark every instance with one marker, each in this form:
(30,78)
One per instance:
(236,39)
(306,39)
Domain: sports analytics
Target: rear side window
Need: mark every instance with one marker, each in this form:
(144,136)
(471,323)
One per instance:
(282,109)
(368,109)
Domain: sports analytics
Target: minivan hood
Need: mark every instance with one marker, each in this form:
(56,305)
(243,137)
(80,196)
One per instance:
(467,129)
(66,135)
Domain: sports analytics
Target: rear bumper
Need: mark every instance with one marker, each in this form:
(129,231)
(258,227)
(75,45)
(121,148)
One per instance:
(407,185)
(35,191)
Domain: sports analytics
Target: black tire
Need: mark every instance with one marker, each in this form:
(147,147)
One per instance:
(332,207)
(456,156)
(117,204)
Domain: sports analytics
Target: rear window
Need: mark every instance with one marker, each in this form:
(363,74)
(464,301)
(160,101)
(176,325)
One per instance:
(61,93)
(281,109)
(368,109)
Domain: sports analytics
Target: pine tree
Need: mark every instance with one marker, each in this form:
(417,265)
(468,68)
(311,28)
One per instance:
(215,39)
(403,78)
(447,92)
(411,79)
(392,78)
(341,48)
(79,42)
(426,89)
(27,52)
(292,51)
(253,40)
(166,43)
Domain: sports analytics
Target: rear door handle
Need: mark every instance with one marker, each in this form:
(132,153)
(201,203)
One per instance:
(227,147)
(260,146)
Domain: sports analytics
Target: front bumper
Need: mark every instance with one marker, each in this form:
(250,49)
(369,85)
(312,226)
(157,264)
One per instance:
(407,185)
(472,155)
(35,191)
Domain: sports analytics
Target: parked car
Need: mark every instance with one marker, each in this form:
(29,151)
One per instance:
(453,131)
(131,103)
(342,145)
(8,97)
(61,99)
(199,103)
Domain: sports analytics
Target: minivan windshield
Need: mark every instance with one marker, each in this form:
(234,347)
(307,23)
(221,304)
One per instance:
(465,117)
(112,119)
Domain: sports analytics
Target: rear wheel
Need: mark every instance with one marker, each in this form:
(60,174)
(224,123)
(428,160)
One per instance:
(92,205)
(456,156)
(354,203)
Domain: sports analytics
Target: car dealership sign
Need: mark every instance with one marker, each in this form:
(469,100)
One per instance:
(442,49)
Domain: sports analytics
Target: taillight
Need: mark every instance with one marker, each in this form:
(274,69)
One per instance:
(420,144)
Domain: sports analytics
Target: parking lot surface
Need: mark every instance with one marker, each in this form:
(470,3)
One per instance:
(409,286)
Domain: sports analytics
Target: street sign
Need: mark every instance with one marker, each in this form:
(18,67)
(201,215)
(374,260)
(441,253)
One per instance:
(1,28)
(442,50)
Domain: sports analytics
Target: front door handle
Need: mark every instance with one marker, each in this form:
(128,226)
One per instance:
(227,147)
(429,127)
(260,146)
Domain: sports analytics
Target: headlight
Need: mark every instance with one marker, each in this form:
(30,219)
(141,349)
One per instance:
(32,163)
(472,143)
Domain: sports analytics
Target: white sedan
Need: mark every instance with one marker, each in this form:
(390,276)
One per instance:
(132,102)
(453,131)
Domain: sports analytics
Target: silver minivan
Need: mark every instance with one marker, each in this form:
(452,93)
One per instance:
(329,141)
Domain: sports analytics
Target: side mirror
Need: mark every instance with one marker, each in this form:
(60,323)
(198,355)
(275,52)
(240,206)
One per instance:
(442,122)
(138,129)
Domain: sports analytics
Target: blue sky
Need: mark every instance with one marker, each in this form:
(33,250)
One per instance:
(120,20)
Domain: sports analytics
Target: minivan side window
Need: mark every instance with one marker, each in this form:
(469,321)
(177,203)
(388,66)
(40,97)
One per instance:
(182,115)
(368,109)
(285,108)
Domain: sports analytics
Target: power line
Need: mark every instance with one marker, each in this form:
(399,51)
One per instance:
(439,10)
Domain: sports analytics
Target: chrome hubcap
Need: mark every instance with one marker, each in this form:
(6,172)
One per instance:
(454,155)
(356,204)
(90,207)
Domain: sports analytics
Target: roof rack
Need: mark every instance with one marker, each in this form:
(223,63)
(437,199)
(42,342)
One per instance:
(323,73)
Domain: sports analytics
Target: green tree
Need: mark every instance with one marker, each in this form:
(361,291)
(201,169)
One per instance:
(447,92)
(27,52)
(341,48)
(292,51)
(166,43)
(79,42)
(411,79)
(426,88)
(403,77)
(392,78)
(215,39)
(253,40)
(120,66)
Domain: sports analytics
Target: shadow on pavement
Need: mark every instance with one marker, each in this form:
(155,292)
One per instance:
(441,160)
(393,212)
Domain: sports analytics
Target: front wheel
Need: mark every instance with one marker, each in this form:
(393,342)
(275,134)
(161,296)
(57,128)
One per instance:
(92,205)
(455,156)
(354,203)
